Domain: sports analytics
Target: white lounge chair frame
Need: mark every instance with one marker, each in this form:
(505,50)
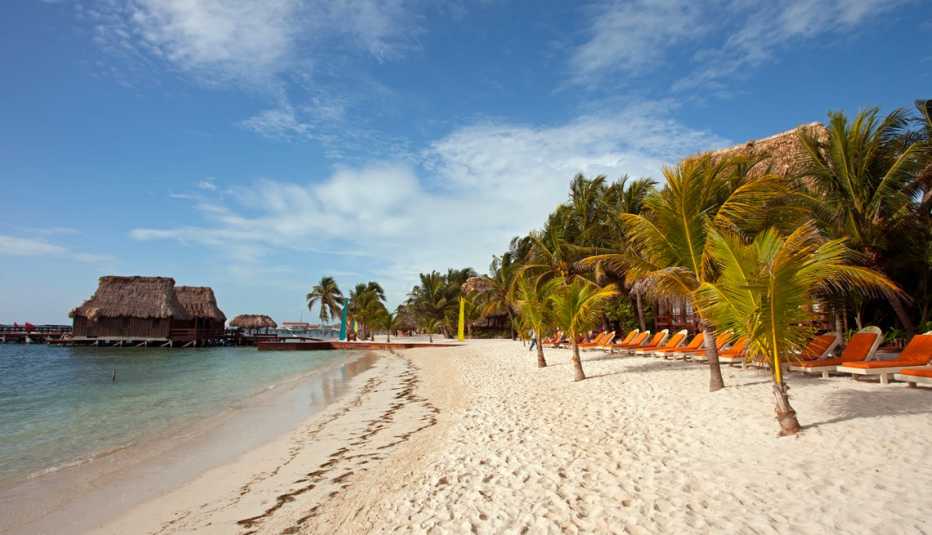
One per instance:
(883,373)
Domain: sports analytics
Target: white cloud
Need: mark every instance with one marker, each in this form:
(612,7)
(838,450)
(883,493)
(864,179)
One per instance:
(15,246)
(248,41)
(470,192)
(633,37)
(207,184)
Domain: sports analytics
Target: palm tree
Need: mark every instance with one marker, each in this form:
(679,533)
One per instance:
(366,305)
(495,292)
(764,290)
(329,296)
(667,242)
(430,326)
(576,307)
(390,321)
(533,304)
(867,182)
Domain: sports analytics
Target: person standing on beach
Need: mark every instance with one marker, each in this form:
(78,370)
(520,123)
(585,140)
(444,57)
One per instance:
(533,336)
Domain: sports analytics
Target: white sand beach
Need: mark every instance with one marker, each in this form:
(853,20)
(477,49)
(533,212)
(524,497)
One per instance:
(477,439)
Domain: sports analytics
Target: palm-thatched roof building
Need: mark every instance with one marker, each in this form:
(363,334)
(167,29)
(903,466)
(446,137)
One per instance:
(253,322)
(206,319)
(781,154)
(148,308)
(129,307)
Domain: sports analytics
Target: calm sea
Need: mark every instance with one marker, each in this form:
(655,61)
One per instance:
(59,406)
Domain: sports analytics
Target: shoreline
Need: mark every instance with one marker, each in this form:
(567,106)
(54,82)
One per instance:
(80,494)
(478,439)
(297,481)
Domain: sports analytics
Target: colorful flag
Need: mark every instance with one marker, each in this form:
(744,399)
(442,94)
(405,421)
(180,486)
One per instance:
(343,323)
(461,325)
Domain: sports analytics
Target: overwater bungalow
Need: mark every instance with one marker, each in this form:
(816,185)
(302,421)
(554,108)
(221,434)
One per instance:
(130,309)
(144,310)
(254,323)
(206,323)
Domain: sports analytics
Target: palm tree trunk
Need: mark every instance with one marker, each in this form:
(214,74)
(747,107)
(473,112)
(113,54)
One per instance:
(577,363)
(541,361)
(716,382)
(430,337)
(640,307)
(786,415)
(901,313)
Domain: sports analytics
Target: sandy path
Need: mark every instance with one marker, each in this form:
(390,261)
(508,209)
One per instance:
(642,447)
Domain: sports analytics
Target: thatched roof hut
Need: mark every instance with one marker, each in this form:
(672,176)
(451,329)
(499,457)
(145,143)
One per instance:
(132,297)
(475,285)
(199,302)
(253,321)
(786,155)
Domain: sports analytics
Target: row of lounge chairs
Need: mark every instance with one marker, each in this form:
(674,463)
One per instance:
(913,365)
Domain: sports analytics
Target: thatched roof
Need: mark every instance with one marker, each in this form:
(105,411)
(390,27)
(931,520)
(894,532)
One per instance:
(253,321)
(199,302)
(785,152)
(476,284)
(133,297)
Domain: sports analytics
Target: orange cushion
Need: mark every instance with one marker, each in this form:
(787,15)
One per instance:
(821,362)
(674,342)
(736,349)
(817,346)
(918,372)
(858,347)
(917,348)
(877,364)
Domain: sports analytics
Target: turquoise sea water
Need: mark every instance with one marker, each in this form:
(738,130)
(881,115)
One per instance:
(59,406)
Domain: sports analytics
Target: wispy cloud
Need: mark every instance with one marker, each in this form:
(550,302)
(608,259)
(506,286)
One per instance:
(629,36)
(244,41)
(466,195)
(636,37)
(16,246)
(208,184)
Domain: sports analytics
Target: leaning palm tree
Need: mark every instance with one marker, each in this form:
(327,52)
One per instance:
(764,290)
(866,182)
(667,242)
(329,296)
(533,304)
(576,308)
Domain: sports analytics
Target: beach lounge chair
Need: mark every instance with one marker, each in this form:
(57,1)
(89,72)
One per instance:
(599,341)
(698,353)
(674,341)
(915,376)
(733,354)
(641,342)
(636,342)
(916,354)
(675,352)
(861,346)
(628,338)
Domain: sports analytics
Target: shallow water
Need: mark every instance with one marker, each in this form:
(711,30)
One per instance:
(59,405)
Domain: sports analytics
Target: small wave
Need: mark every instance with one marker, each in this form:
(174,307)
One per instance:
(79,461)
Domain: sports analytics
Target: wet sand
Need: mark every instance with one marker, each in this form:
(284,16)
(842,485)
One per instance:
(79,498)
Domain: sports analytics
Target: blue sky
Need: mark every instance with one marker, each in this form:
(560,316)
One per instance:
(255,146)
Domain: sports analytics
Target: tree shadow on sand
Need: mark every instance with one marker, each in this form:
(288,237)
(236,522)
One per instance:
(851,404)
